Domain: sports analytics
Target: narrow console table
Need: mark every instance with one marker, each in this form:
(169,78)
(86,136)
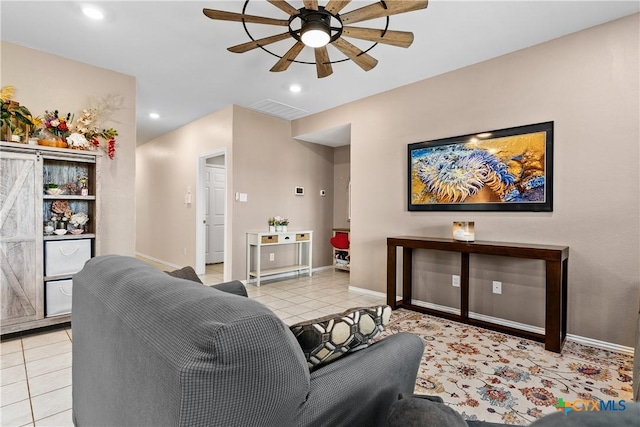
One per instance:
(555,257)
(303,239)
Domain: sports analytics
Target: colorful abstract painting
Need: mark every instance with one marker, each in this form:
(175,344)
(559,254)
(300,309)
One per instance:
(507,169)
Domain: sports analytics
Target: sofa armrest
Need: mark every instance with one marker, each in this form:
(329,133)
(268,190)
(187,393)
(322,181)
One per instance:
(358,389)
(234,287)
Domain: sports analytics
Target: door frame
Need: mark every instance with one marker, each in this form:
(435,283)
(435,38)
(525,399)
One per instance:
(200,212)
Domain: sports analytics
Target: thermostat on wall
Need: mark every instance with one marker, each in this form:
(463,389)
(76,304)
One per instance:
(299,191)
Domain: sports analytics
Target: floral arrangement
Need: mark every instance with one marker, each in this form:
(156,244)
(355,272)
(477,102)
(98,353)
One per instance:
(78,141)
(278,220)
(70,188)
(87,133)
(90,125)
(37,124)
(13,116)
(61,210)
(79,219)
(56,124)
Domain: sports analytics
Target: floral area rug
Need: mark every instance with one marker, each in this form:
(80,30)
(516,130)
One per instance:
(490,376)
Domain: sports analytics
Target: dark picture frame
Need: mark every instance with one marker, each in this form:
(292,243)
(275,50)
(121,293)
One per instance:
(500,170)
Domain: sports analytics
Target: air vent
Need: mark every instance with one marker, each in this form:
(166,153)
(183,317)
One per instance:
(278,109)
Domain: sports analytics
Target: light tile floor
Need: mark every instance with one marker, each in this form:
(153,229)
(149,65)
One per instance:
(36,368)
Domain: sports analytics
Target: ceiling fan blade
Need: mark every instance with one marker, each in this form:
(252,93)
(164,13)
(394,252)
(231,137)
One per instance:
(323,63)
(335,6)
(288,57)
(394,38)
(284,6)
(239,17)
(245,47)
(365,61)
(377,10)
(311,4)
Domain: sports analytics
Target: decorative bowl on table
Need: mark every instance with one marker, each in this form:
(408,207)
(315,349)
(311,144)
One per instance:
(60,231)
(77,231)
(54,191)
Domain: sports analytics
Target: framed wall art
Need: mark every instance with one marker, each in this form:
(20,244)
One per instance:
(500,170)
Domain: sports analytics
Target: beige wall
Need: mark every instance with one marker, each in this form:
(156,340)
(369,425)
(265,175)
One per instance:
(588,84)
(268,165)
(341,176)
(262,161)
(48,82)
(166,169)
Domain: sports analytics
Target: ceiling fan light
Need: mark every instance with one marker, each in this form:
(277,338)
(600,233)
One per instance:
(315,34)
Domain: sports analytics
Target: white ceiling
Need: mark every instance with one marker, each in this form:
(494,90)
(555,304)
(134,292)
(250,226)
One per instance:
(184,71)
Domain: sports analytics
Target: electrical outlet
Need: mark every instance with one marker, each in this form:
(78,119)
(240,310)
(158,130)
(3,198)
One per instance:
(184,251)
(455,281)
(272,256)
(497,287)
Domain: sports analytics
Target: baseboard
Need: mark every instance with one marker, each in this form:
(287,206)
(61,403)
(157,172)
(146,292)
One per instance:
(435,306)
(283,275)
(601,344)
(508,323)
(169,264)
(367,292)
(530,328)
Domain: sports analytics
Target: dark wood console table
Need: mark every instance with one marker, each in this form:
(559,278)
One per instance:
(555,257)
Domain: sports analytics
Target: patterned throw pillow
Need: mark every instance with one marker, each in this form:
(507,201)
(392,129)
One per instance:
(325,339)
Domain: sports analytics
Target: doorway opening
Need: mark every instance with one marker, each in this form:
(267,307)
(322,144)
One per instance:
(211,217)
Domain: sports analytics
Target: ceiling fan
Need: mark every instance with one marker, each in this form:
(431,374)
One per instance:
(317,26)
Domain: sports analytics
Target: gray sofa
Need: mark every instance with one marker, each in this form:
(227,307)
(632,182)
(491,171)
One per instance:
(154,350)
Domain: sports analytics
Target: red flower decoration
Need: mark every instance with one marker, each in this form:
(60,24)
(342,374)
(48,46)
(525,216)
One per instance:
(111,147)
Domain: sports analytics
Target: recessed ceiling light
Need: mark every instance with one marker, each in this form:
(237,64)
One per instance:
(295,88)
(93,12)
(484,135)
(154,115)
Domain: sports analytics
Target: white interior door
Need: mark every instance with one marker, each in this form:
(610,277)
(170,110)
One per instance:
(215,183)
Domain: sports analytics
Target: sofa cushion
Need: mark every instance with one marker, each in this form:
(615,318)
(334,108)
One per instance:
(327,338)
(185,273)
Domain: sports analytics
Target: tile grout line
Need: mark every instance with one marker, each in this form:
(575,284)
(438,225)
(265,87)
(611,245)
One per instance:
(26,375)
(52,415)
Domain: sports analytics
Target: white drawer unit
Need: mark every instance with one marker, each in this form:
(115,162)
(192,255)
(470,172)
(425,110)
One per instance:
(58,297)
(66,256)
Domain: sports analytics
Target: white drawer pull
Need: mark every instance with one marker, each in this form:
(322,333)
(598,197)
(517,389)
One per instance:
(70,253)
(61,289)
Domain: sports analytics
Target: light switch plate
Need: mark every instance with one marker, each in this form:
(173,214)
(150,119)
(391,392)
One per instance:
(455,281)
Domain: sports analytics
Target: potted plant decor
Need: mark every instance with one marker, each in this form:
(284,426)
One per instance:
(15,119)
